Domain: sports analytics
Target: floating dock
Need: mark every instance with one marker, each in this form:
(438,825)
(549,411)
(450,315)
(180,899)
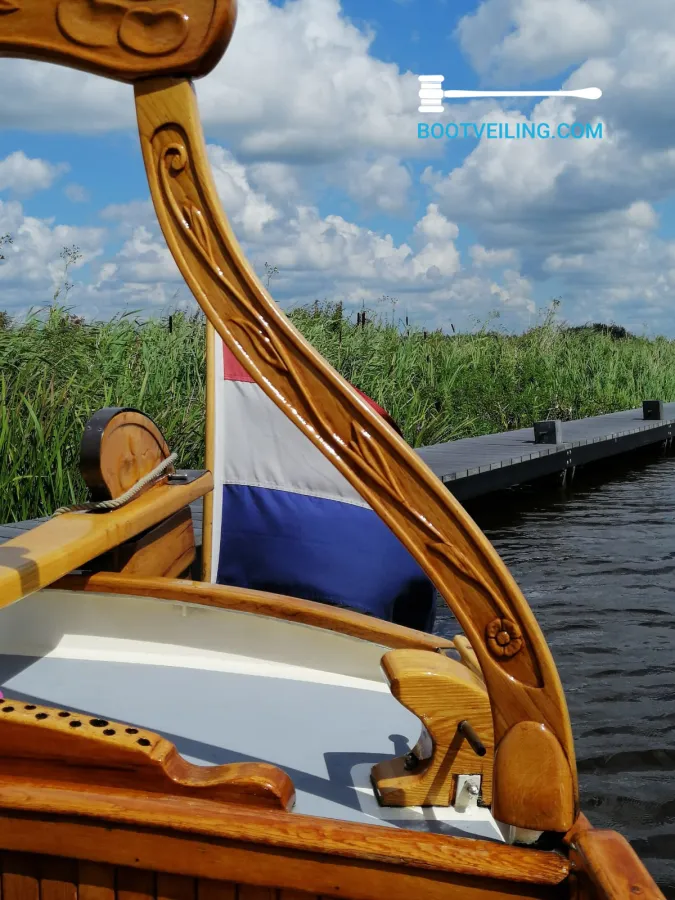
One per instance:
(473,467)
(476,466)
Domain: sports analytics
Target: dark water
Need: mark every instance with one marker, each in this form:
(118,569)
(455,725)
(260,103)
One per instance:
(597,565)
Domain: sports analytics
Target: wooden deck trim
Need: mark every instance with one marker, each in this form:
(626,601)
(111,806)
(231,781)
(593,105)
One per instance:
(282,831)
(276,606)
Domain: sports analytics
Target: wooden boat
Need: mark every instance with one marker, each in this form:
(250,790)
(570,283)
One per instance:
(271,747)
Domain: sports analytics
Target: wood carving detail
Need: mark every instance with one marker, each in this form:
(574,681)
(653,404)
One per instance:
(145,29)
(379,464)
(123,39)
(504,638)
(356,443)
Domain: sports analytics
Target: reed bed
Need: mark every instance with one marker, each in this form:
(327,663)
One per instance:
(56,371)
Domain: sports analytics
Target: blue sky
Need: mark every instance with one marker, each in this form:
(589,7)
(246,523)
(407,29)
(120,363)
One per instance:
(323,176)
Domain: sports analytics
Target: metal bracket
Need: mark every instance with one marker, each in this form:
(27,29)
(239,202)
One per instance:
(468,792)
(185,476)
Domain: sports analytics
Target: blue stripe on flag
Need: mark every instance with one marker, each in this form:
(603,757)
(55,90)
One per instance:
(324,550)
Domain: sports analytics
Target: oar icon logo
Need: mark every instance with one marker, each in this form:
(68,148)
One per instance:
(432,94)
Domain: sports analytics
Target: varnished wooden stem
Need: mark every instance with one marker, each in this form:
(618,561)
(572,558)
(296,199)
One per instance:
(515,660)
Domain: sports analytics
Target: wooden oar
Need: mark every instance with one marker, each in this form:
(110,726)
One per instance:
(39,557)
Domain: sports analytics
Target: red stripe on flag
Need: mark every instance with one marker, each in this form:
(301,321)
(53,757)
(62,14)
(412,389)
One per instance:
(234,371)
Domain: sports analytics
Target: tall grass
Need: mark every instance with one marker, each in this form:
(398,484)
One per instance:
(55,372)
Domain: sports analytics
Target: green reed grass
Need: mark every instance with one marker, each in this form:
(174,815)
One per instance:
(55,372)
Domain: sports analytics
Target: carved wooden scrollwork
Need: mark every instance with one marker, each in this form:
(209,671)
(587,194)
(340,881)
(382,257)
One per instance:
(122,39)
(520,675)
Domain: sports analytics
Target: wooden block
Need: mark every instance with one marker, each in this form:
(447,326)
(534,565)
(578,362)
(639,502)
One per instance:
(442,693)
(548,432)
(118,448)
(166,550)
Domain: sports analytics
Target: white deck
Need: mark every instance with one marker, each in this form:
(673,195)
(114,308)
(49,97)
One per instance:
(226,686)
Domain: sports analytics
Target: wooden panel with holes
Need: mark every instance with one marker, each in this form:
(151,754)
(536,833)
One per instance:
(45,745)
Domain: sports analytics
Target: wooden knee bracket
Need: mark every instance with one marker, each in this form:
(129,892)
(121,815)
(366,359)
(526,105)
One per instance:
(453,706)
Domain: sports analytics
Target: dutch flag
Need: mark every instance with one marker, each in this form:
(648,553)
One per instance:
(285,520)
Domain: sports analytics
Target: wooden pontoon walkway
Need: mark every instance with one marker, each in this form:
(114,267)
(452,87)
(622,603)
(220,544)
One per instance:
(476,466)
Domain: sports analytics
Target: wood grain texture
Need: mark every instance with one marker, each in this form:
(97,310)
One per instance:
(117,38)
(41,744)
(161,823)
(176,887)
(216,890)
(19,877)
(516,662)
(95,881)
(58,878)
(441,692)
(467,655)
(531,767)
(39,557)
(210,440)
(276,606)
(137,882)
(167,550)
(118,448)
(609,869)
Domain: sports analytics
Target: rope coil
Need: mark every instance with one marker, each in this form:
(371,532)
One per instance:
(126,497)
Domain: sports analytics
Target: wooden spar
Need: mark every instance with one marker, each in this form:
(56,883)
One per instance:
(517,665)
(210,440)
(39,557)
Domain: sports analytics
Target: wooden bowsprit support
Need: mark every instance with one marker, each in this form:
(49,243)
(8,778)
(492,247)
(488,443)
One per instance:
(55,747)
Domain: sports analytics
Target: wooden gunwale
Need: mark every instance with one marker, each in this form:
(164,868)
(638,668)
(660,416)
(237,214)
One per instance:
(289,831)
(277,606)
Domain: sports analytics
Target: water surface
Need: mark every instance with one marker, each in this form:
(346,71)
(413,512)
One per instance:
(597,565)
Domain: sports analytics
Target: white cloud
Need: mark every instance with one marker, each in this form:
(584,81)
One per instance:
(23,176)
(383,183)
(297,83)
(483,258)
(33,269)
(512,39)
(76,193)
